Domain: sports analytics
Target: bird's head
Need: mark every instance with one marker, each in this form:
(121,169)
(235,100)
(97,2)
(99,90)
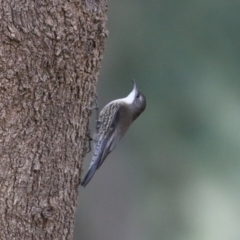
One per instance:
(136,101)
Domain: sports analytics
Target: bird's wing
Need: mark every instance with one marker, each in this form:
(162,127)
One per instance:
(109,138)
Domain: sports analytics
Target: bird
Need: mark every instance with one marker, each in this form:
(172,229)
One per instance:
(113,122)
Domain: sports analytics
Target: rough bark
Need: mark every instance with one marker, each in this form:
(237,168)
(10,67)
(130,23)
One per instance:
(50,55)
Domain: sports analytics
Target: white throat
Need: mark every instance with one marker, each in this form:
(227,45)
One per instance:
(130,98)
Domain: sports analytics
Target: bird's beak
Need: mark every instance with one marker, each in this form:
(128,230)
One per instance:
(134,86)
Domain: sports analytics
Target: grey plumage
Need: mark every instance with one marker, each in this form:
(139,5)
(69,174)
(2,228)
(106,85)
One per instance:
(114,120)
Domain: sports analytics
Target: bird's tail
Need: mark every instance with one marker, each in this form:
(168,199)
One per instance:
(89,175)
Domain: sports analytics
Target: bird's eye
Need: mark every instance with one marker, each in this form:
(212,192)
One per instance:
(138,95)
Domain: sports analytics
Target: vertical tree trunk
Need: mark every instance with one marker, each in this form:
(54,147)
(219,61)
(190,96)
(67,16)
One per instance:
(50,55)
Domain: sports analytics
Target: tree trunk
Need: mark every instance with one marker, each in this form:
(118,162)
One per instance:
(50,55)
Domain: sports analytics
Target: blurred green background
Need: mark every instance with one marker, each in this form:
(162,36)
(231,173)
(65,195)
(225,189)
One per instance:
(176,173)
